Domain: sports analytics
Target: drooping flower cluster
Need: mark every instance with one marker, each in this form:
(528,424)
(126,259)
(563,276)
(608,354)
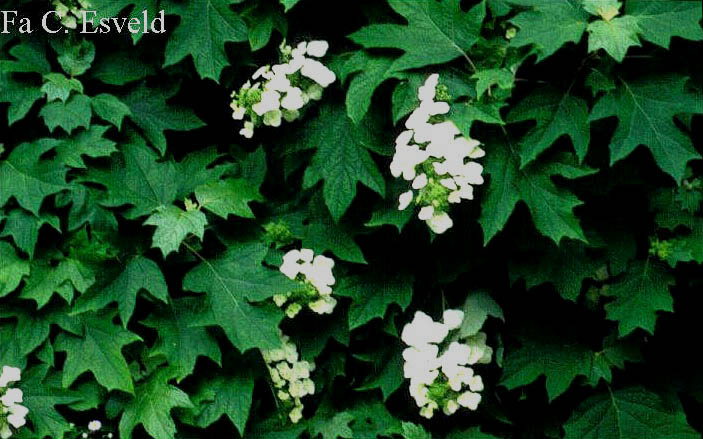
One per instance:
(70,12)
(12,413)
(282,90)
(436,362)
(436,158)
(290,377)
(316,279)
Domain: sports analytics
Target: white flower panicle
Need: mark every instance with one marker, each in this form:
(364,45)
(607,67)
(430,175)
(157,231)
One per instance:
(290,377)
(316,279)
(433,155)
(437,363)
(70,12)
(281,91)
(12,413)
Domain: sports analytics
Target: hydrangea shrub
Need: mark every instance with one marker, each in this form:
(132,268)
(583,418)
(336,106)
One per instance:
(416,219)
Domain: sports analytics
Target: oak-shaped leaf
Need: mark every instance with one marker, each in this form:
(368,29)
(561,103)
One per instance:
(58,87)
(639,296)
(140,273)
(550,205)
(341,158)
(101,342)
(629,413)
(437,32)
(368,73)
(173,225)
(137,178)
(56,275)
(204,29)
(76,112)
(20,94)
(615,36)
(23,228)
(372,295)
(154,398)
(566,266)
(646,108)
(30,57)
(33,327)
(29,178)
(548,25)
(231,282)
(225,395)
(180,342)
(661,20)
(477,307)
(557,114)
(42,392)
(561,360)
(110,108)
(12,268)
(228,197)
(152,113)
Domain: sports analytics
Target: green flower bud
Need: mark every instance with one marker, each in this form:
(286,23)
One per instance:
(278,233)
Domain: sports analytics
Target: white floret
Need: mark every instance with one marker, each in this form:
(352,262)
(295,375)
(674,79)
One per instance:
(450,407)
(317,48)
(453,318)
(270,100)
(11,397)
(10,375)
(405,199)
(470,400)
(317,71)
(238,112)
(426,213)
(423,331)
(420,181)
(17,414)
(293,100)
(440,223)
(427,91)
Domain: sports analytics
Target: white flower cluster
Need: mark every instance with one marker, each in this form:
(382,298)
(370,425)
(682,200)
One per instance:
(290,376)
(282,90)
(11,412)
(436,158)
(315,276)
(70,12)
(443,379)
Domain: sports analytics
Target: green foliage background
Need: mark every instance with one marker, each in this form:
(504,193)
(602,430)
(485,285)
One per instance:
(119,304)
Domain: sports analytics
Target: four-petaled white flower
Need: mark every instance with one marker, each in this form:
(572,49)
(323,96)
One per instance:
(318,48)
(10,375)
(11,397)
